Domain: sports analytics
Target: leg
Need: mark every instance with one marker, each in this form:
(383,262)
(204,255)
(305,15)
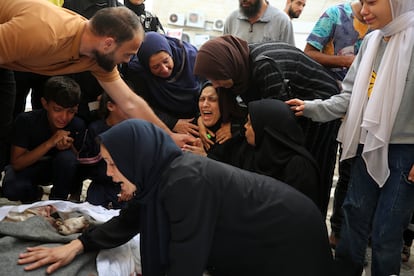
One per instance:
(358,209)
(22,185)
(393,213)
(339,197)
(7,99)
(64,174)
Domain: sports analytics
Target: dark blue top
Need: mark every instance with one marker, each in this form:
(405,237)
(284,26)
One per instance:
(32,129)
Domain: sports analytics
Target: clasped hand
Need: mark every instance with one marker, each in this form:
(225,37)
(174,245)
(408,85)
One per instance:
(61,140)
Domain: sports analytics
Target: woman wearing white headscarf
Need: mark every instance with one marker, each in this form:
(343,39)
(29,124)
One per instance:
(378,132)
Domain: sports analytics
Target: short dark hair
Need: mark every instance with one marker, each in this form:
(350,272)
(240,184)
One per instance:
(120,23)
(103,109)
(64,91)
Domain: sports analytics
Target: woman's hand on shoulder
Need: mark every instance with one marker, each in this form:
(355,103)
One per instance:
(205,134)
(224,133)
(186,126)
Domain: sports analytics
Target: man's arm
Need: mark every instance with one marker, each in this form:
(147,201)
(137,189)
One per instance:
(326,60)
(132,104)
(136,107)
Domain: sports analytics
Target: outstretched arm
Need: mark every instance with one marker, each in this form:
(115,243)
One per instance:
(137,107)
(55,256)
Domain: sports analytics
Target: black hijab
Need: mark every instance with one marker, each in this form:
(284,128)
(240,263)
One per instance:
(280,147)
(138,9)
(141,152)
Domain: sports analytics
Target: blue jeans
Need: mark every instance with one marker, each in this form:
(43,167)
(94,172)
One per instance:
(381,214)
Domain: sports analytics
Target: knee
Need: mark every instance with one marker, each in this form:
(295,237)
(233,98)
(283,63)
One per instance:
(66,159)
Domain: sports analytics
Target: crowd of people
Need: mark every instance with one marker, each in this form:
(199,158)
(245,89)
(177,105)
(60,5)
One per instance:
(219,157)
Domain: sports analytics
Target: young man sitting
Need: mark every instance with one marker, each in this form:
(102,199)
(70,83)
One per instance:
(44,145)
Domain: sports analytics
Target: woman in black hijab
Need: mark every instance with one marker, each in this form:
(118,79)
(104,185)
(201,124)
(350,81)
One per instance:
(195,213)
(274,70)
(279,148)
(272,144)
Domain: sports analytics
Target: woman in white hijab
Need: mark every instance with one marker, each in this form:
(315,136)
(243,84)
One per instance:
(378,133)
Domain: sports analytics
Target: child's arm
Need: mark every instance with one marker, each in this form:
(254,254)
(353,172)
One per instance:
(22,158)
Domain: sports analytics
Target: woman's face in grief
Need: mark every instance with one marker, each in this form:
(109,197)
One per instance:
(161,64)
(222,83)
(113,172)
(208,105)
(249,133)
(376,13)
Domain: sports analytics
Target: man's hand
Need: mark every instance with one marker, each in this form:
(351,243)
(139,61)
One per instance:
(297,106)
(56,256)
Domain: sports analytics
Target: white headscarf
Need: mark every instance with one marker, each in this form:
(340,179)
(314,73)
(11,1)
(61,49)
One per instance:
(370,122)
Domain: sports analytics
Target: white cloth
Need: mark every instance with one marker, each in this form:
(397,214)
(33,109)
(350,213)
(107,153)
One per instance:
(370,122)
(119,261)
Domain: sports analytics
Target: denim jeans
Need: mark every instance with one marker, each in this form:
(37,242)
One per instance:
(380,213)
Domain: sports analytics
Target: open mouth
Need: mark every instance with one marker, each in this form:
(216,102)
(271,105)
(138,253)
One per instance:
(207,114)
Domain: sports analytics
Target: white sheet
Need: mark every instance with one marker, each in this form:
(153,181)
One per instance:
(119,261)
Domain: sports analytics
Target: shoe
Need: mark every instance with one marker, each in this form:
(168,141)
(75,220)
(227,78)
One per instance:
(405,254)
